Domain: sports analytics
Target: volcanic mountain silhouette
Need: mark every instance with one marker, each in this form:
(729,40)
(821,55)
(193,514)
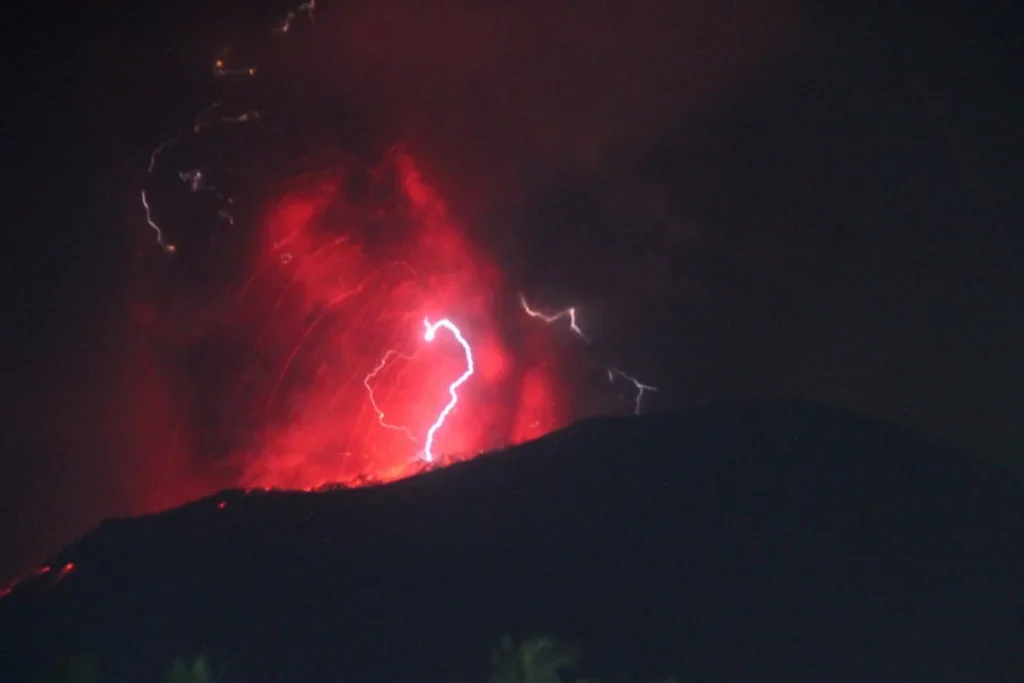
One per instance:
(743,541)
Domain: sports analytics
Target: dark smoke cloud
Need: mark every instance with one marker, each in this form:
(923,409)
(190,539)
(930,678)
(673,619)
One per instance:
(496,95)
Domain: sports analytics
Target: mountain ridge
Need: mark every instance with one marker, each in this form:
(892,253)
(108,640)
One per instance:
(753,540)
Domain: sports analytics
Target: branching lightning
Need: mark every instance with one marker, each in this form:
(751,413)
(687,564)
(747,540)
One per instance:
(429,335)
(569,313)
(640,387)
(195,179)
(373,400)
(613,373)
(289,248)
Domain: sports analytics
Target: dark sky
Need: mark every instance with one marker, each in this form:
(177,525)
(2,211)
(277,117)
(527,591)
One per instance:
(746,198)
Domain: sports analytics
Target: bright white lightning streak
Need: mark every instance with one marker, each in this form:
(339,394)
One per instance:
(569,313)
(429,336)
(373,401)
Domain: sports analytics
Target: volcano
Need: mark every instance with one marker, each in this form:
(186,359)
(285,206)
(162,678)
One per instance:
(757,540)
(304,353)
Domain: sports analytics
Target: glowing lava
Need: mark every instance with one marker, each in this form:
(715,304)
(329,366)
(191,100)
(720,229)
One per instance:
(38,573)
(311,372)
(316,368)
(336,387)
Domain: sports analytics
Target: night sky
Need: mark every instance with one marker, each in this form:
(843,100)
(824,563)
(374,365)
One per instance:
(745,198)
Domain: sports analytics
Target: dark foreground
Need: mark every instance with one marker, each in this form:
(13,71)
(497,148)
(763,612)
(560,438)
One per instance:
(741,542)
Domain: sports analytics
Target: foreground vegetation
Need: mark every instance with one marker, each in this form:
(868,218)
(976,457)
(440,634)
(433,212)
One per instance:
(540,660)
(536,660)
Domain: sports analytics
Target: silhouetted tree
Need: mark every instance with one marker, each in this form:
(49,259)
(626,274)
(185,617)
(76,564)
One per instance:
(538,660)
(542,660)
(198,671)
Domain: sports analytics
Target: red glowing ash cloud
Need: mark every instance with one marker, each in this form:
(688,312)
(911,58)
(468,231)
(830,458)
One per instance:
(344,385)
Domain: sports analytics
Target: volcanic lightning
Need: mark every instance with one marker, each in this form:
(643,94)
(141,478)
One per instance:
(640,387)
(428,336)
(613,373)
(344,257)
(168,248)
(194,178)
(373,400)
(569,313)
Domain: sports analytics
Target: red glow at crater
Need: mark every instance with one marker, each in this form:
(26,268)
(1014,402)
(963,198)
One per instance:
(339,382)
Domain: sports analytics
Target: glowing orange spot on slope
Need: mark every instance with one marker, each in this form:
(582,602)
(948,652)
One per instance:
(36,573)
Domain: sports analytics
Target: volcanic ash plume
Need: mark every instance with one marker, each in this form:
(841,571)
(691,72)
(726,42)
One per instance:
(339,384)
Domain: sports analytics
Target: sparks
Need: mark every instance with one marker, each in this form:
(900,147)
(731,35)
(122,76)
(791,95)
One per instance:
(429,336)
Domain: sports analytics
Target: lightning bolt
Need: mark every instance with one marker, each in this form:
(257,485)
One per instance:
(195,179)
(373,401)
(640,387)
(613,373)
(569,313)
(168,248)
(428,337)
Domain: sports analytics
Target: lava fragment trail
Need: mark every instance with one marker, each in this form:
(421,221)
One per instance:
(44,571)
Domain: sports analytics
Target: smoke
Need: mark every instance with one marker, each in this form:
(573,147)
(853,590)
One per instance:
(494,100)
(499,95)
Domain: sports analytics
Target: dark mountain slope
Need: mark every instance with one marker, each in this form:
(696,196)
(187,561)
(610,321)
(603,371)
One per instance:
(758,541)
